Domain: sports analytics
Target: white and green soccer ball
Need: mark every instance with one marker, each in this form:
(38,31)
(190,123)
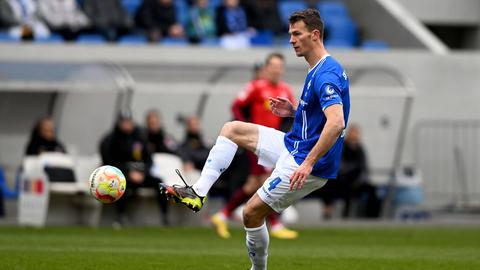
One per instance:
(107,184)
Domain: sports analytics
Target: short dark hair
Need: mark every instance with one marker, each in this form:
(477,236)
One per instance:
(274,55)
(311,18)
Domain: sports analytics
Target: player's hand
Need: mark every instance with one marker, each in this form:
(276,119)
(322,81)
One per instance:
(299,176)
(281,107)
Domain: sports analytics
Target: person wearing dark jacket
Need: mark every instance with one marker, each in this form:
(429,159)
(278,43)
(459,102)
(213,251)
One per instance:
(43,138)
(159,19)
(125,149)
(352,175)
(108,17)
(231,18)
(264,15)
(158,140)
(193,150)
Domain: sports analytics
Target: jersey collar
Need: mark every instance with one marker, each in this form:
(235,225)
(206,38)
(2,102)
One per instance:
(319,61)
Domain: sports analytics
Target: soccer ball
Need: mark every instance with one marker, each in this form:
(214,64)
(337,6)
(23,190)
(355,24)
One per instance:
(107,184)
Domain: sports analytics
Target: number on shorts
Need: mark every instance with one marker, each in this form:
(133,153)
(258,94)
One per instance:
(273,184)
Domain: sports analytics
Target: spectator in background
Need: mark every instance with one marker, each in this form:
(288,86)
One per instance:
(63,17)
(125,149)
(233,26)
(352,175)
(264,15)
(43,138)
(231,18)
(159,19)
(108,17)
(158,140)
(193,150)
(201,22)
(24,22)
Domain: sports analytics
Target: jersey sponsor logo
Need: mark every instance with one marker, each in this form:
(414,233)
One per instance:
(329,90)
(303,103)
(331,97)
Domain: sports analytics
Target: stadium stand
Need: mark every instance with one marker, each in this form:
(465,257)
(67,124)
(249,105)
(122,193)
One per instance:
(132,6)
(341,29)
(91,38)
(286,8)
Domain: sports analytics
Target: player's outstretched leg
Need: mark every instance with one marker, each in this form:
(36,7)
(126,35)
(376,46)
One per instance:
(218,160)
(232,135)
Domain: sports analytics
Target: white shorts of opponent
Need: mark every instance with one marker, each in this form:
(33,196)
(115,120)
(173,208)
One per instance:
(271,152)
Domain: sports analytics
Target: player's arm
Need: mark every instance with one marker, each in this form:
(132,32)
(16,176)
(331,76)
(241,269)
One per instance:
(282,107)
(331,131)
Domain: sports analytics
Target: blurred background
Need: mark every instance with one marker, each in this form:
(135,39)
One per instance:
(79,79)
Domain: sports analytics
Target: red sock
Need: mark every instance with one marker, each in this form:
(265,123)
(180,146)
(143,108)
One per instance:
(235,201)
(274,219)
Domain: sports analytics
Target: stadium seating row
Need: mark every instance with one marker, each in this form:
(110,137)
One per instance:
(341,30)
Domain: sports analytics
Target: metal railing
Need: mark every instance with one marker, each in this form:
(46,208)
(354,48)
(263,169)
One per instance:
(448,154)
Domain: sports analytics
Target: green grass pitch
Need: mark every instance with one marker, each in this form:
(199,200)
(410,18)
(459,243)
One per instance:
(386,248)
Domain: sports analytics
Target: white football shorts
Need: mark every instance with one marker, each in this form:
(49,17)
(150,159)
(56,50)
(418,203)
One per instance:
(271,152)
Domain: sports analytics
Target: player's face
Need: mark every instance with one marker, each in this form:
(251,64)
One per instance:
(274,69)
(300,38)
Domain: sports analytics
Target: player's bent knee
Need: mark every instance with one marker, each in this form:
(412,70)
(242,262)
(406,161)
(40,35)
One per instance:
(248,217)
(251,217)
(232,130)
(228,130)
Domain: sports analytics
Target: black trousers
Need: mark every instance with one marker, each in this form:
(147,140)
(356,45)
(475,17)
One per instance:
(130,192)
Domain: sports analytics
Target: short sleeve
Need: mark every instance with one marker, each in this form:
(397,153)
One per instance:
(329,94)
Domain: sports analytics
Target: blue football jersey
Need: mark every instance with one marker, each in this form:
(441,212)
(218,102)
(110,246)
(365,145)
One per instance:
(326,84)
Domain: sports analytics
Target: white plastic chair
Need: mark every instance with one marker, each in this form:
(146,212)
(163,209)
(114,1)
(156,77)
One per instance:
(164,166)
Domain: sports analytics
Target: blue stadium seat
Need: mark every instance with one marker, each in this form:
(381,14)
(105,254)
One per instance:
(133,39)
(5,37)
(332,9)
(338,43)
(374,45)
(169,41)
(91,39)
(262,39)
(210,42)
(286,8)
(342,29)
(7,192)
(53,38)
(131,6)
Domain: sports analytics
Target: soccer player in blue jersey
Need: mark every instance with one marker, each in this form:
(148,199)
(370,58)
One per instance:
(304,159)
